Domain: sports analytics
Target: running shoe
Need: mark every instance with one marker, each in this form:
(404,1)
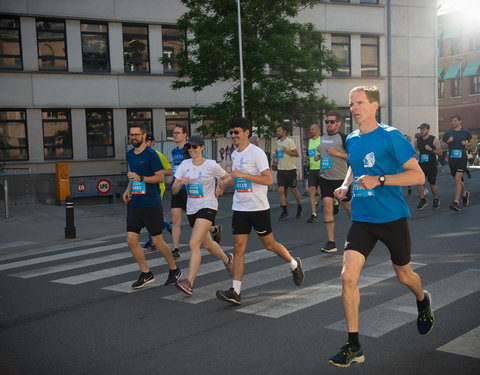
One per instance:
(336,206)
(229,296)
(313,219)
(298,274)
(185,286)
(217,236)
(229,264)
(283,216)
(169,229)
(422,204)
(347,355)
(147,245)
(299,212)
(454,207)
(466,198)
(425,318)
(175,253)
(436,204)
(143,279)
(150,249)
(329,247)
(173,276)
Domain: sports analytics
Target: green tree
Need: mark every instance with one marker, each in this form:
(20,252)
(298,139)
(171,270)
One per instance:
(284,62)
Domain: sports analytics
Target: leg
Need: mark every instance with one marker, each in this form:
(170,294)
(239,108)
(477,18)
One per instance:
(296,193)
(311,195)
(434,189)
(283,198)
(328,217)
(421,191)
(240,246)
(459,186)
(272,245)
(199,233)
(164,250)
(353,263)
(406,276)
(176,221)
(136,250)
(348,208)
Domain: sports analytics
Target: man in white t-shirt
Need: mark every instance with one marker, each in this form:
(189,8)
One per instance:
(250,207)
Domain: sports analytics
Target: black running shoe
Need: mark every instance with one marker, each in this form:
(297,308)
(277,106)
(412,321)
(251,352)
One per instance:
(283,216)
(169,230)
(144,279)
(298,274)
(336,206)
(425,318)
(454,207)
(436,204)
(329,247)
(175,253)
(347,355)
(313,219)
(173,276)
(466,198)
(422,204)
(147,245)
(185,286)
(217,236)
(229,296)
(299,212)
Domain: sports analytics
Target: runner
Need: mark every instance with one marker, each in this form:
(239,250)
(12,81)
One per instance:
(145,206)
(314,169)
(199,176)
(381,161)
(428,147)
(251,208)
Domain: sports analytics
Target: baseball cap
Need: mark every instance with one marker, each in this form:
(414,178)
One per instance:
(149,137)
(423,126)
(196,140)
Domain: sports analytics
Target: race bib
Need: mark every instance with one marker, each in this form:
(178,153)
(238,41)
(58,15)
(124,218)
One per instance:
(174,169)
(456,154)
(243,185)
(326,163)
(279,154)
(195,190)
(424,158)
(311,152)
(137,187)
(360,192)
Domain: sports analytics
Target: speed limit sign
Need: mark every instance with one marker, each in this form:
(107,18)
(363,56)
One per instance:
(81,188)
(103,186)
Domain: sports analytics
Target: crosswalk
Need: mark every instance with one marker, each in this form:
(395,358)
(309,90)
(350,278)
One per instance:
(107,264)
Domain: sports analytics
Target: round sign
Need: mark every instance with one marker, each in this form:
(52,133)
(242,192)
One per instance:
(103,186)
(81,188)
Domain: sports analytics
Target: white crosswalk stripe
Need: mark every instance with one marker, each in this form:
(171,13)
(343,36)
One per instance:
(467,344)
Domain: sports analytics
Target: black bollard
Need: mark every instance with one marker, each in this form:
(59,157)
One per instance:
(70,231)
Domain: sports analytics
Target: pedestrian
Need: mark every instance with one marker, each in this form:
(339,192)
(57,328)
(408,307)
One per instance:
(251,208)
(381,161)
(287,171)
(457,140)
(144,206)
(314,169)
(254,140)
(428,147)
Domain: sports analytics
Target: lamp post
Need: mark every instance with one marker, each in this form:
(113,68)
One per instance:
(240,50)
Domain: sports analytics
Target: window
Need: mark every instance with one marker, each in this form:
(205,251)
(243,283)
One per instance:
(175,117)
(135,49)
(52,51)
(95,47)
(140,117)
(441,89)
(172,45)
(10,48)
(341,48)
(456,87)
(99,133)
(368,1)
(13,135)
(339,1)
(57,134)
(474,42)
(475,85)
(369,47)
(455,46)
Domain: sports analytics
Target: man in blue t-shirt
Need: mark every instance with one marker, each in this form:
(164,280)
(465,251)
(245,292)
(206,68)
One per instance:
(381,161)
(457,140)
(145,206)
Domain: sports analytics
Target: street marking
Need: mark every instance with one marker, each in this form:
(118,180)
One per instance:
(467,344)
(279,306)
(395,313)
(16,244)
(255,279)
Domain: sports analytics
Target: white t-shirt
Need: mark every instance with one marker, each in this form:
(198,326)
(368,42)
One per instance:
(201,187)
(250,196)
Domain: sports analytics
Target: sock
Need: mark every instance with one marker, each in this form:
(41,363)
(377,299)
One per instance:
(299,206)
(284,208)
(215,230)
(423,304)
(237,286)
(464,194)
(353,339)
(314,214)
(293,265)
(456,202)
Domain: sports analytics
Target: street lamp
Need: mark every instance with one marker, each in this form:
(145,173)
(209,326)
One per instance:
(241,57)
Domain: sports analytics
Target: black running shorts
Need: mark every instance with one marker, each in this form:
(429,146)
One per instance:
(243,221)
(204,213)
(287,178)
(314,177)
(327,187)
(430,172)
(180,200)
(149,217)
(457,165)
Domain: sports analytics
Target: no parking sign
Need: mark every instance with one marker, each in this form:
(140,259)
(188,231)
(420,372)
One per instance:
(81,188)
(103,186)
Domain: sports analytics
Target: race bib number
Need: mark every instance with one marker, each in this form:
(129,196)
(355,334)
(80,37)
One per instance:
(326,163)
(456,154)
(360,192)
(279,154)
(311,152)
(195,190)
(424,158)
(138,187)
(243,185)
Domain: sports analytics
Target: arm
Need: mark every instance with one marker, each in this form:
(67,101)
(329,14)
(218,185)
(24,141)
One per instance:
(126,195)
(264,179)
(437,148)
(336,153)
(341,192)
(293,152)
(226,180)
(177,185)
(157,178)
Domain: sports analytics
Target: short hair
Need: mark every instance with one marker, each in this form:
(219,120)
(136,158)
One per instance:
(240,122)
(282,126)
(142,127)
(254,138)
(337,115)
(458,117)
(372,92)
(183,127)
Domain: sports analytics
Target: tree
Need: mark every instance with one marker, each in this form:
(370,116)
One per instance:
(284,62)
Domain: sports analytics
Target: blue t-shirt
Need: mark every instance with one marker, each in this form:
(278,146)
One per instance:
(383,151)
(456,145)
(178,155)
(145,164)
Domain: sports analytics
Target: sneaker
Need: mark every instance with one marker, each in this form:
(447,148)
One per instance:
(466,198)
(175,253)
(299,212)
(298,274)
(436,204)
(283,216)
(173,276)
(425,318)
(336,206)
(454,207)
(422,204)
(313,219)
(185,286)
(217,236)
(229,296)
(229,264)
(150,249)
(169,230)
(347,355)
(329,247)
(147,245)
(144,279)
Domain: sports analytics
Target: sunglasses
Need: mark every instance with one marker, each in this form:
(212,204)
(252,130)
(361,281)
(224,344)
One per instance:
(330,121)
(236,132)
(189,146)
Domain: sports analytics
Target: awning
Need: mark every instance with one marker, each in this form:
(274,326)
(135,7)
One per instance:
(452,72)
(471,69)
(440,70)
(449,34)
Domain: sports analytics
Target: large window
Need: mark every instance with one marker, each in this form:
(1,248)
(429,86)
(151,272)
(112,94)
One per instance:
(13,135)
(140,117)
(52,50)
(135,48)
(341,48)
(95,47)
(175,117)
(172,45)
(369,48)
(475,85)
(456,87)
(441,89)
(10,47)
(57,134)
(100,133)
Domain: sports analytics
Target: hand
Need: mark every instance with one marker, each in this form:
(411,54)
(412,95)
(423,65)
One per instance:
(127,196)
(428,148)
(316,157)
(319,149)
(237,173)
(283,148)
(341,193)
(368,182)
(464,142)
(219,190)
(449,140)
(332,151)
(133,176)
(185,180)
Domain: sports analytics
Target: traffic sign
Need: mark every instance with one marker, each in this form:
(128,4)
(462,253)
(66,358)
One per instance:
(103,186)
(81,188)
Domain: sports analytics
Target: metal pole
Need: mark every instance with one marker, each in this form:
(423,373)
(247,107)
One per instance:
(70,231)
(240,51)
(5,189)
(389,58)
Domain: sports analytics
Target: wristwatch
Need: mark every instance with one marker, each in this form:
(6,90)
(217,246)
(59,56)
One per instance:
(382,180)
(141,178)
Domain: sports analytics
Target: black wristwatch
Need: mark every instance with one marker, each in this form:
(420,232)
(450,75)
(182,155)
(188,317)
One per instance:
(382,180)
(141,178)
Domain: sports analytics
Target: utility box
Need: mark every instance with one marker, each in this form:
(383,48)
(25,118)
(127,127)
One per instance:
(63,181)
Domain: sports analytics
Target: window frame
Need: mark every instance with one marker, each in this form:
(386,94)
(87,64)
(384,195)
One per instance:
(174,69)
(456,87)
(105,120)
(167,120)
(19,30)
(106,34)
(69,122)
(147,37)
(377,45)
(24,121)
(441,89)
(475,85)
(53,58)
(337,73)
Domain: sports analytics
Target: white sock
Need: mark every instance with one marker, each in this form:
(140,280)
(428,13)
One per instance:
(237,286)
(293,265)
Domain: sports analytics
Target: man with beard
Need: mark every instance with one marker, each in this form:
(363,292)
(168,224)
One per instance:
(145,206)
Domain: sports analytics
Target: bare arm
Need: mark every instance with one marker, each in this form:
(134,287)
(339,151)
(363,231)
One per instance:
(177,185)
(264,179)
(157,178)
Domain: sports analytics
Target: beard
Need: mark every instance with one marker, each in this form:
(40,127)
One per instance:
(136,143)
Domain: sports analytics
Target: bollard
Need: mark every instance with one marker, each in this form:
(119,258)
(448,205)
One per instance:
(5,189)
(70,231)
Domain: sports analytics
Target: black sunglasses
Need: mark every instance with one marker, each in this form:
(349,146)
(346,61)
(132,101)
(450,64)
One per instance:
(236,132)
(330,121)
(189,146)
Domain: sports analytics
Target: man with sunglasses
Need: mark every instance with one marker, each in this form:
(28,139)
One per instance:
(145,206)
(251,177)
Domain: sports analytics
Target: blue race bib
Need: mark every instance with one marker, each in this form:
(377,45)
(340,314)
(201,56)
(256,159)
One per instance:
(456,154)
(279,154)
(326,163)
(311,152)
(361,192)
(195,190)
(137,187)
(243,185)
(424,158)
